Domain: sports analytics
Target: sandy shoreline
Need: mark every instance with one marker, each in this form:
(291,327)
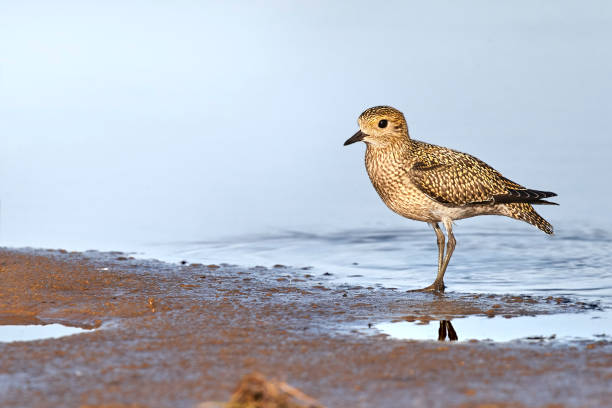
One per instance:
(178,335)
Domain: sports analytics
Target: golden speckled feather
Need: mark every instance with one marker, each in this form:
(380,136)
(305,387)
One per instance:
(451,177)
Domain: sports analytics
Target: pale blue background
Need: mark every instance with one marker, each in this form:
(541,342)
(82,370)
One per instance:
(126,122)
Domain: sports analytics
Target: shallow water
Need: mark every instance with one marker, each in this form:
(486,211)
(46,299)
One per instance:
(10,333)
(574,263)
(559,327)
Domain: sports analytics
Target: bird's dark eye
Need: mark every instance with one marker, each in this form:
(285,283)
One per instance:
(382,123)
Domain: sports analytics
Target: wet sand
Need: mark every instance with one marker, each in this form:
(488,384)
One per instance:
(179,335)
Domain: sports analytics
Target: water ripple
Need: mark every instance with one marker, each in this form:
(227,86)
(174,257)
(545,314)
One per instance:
(576,262)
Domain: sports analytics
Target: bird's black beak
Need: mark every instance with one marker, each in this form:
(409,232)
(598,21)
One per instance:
(357,137)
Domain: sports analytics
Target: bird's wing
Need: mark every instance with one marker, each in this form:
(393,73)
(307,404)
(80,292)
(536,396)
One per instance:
(456,178)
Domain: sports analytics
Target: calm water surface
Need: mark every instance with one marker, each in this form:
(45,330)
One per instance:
(545,328)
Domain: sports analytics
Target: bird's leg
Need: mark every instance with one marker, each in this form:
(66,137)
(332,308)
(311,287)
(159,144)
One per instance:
(438,285)
(440,237)
(450,247)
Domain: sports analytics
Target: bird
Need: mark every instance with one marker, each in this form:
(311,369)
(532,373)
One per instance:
(435,184)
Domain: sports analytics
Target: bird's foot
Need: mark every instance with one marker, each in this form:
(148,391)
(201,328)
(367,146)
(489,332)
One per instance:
(436,287)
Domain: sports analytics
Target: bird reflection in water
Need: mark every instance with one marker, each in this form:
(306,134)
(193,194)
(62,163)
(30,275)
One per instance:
(447,330)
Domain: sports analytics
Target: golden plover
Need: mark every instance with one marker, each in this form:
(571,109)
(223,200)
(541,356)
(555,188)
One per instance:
(435,184)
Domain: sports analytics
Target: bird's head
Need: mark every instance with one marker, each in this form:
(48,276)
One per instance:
(380,126)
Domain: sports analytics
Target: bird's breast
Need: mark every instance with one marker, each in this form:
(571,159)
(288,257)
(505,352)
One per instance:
(389,176)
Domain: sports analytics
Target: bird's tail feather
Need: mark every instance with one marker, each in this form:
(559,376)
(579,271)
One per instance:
(525,212)
(524,195)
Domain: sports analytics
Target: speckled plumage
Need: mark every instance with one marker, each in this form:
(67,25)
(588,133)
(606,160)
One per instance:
(425,182)
(435,184)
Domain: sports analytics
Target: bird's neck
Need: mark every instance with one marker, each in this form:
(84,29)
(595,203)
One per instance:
(392,152)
